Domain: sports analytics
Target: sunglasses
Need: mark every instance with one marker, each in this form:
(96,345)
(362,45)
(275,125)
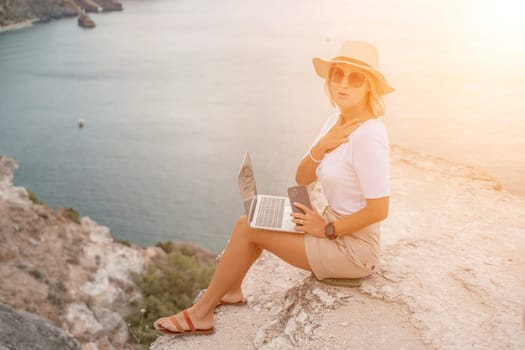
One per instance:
(355,79)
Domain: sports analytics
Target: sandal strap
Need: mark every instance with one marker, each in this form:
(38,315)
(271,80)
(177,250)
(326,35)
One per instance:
(176,323)
(188,320)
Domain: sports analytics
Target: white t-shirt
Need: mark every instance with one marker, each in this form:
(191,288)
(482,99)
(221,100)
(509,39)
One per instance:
(357,169)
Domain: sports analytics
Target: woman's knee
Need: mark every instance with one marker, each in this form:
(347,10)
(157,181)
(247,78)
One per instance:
(242,222)
(242,229)
(241,226)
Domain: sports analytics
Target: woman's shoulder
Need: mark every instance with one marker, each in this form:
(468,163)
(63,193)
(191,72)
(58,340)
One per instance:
(372,128)
(373,124)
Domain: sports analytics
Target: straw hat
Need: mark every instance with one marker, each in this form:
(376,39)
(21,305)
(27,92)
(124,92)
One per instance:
(359,54)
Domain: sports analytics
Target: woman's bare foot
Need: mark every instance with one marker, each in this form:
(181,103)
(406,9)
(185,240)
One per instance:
(233,297)
(193,320)
(230,298)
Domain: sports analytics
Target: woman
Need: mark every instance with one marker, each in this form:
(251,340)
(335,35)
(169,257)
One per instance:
(350,159)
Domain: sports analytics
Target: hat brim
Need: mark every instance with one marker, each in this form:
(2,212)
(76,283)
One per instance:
(322,67)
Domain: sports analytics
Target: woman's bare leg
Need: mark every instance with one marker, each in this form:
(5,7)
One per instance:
(244,248)
(234,294)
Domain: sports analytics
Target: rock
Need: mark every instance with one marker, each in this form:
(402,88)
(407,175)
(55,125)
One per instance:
(121,335)
(13,13)
(451,276)
(88,5)
(74,274)
(108,319)
(85,21)
(110,5)
(7,169)
(33,10)
(296,322)
(25,331)
(81,322)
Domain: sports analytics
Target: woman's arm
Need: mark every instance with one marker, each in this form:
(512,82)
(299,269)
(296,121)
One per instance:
(305,174)
(375,210)
(312,223)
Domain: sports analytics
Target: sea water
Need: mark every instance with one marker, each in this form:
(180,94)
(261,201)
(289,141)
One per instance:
(174,92)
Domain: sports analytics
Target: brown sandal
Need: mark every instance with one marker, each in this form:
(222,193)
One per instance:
(181,330)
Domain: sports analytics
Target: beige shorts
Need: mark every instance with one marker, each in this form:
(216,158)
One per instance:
(349,256)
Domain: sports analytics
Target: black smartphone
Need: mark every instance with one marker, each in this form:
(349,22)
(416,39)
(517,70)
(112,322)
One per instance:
(299,194)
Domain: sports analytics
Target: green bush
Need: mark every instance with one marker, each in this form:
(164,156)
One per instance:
(168,286)
(72,215)
(33,197)
(122,241)
(188,249)
(167,246)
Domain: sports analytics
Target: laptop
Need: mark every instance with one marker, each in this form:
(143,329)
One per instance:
(263,211)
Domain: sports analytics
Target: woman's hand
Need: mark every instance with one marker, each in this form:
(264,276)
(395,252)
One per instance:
(334,138)
(310,222)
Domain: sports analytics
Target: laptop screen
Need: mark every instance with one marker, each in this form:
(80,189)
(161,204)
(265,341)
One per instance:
(247,184)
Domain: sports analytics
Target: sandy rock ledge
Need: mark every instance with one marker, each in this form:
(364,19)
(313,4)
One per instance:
(451,276)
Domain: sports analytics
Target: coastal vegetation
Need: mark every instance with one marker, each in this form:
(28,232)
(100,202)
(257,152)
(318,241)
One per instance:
(33,197)
(69,213)
(101,289)
(72,214)
(14,12)
(168,285)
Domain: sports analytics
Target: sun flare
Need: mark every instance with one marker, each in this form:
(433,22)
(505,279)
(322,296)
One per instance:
(498,23)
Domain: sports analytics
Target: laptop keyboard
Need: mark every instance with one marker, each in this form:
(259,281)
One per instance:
(270,212)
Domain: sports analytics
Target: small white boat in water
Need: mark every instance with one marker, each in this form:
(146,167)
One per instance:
(81,123)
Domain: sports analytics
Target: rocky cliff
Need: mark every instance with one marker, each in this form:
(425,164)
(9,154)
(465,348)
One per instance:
(451,274)
(65,268)
(451,277)
(20,11)
(24,331)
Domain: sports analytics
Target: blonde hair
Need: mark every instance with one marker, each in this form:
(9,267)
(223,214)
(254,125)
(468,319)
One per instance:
(375,101)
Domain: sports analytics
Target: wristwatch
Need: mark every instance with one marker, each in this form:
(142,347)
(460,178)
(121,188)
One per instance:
(329,231)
